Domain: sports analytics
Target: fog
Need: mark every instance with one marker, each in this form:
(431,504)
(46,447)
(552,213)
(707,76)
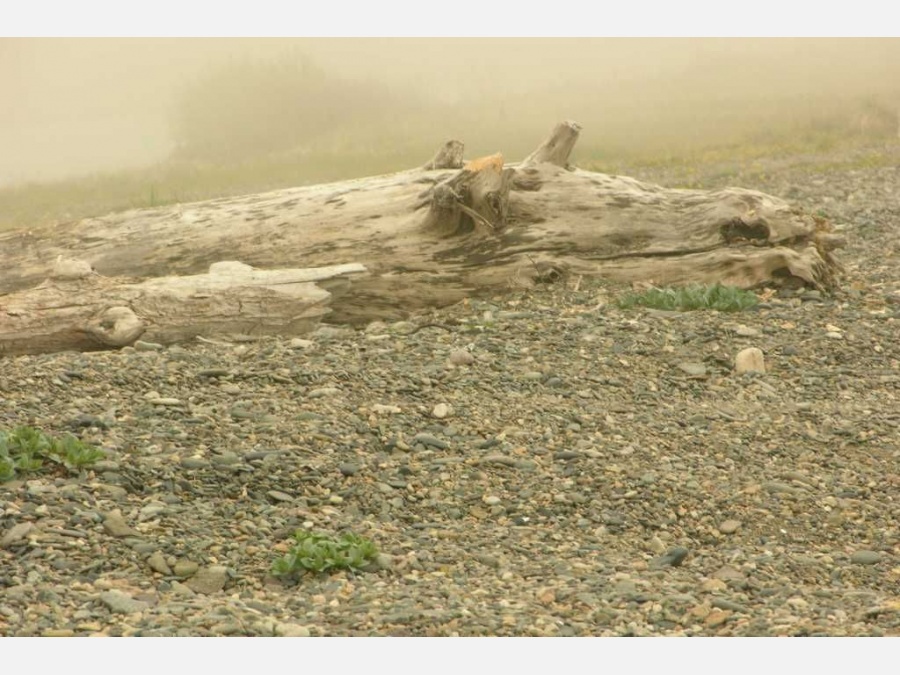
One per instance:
(79,105)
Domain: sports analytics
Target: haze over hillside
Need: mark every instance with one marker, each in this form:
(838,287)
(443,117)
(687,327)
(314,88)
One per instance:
(79,105)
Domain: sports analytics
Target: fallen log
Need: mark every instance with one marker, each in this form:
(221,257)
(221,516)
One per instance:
(78,309)
(434,235)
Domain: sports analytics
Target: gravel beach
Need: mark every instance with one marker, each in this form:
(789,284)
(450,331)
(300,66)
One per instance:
(541,463)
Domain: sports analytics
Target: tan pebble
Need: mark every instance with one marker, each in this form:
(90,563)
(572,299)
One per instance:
(700,611)
(656,545)
(461,357)
(58,632)
(546,596)
(750,360)
(292,630)
(716,618)
(441,410)
(713,585)
(729,526)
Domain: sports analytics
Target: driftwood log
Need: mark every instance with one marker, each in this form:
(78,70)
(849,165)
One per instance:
(426,237)
(76,308)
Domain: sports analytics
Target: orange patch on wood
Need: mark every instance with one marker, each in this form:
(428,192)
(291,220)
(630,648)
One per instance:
(492,162)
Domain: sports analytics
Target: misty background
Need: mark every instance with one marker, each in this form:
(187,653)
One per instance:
(77,106)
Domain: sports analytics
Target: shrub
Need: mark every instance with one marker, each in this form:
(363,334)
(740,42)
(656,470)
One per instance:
(686,298)
(318,552)
(25,449)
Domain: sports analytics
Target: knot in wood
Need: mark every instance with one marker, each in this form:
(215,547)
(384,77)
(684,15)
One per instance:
(116,327)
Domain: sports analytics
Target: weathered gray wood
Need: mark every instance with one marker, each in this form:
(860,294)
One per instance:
(79,309)
(448,156)
(557,148)
(497,225)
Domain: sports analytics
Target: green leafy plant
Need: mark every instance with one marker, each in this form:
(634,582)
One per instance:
(686,298)
(318,552)
(25,449)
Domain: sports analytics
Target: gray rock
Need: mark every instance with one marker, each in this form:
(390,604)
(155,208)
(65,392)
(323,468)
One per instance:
(722,603)
(209,580)
(16,534)
(348,469)
(165,401)
(142,346)
(865,557)
(122,603)
(671,558)
(115,525)
(776,487)
(300,343)
(498,459)
(157,563)
(194,463)
(323,391)
(185,568)
(429,440)
(692,368)
(85,420)
(382,561)
(291,630)
(226,459)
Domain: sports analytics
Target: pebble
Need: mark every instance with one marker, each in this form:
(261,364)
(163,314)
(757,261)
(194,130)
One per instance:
(185,568)
(713,585)
(142,346)
(291,630)
(729,526)
(692,368)
(386,409)
(441,410)
(122,603)
(671,558)
(750,360)
(865,557)
(115,525)
(165,401)
(431,441)
(208,580)
(157,563)
(461,357)
(348,469)
(15,534)
(323,391)
(58,632)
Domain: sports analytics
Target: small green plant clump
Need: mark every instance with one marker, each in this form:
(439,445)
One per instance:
(317,552)
(25,449)
(687,298)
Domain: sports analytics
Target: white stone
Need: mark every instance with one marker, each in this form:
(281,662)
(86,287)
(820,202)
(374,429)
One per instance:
(750,360)
(442,410)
